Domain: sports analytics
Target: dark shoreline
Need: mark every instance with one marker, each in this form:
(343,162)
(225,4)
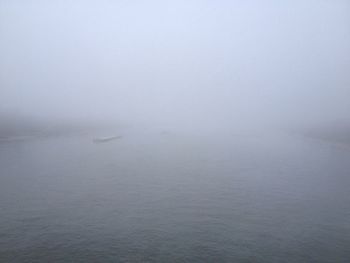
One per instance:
(337,133)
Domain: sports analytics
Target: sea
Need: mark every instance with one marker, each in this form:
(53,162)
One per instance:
(175,196)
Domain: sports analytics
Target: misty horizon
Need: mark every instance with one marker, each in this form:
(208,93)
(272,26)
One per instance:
(185,63)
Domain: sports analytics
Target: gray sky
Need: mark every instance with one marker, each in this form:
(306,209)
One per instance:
(186,62)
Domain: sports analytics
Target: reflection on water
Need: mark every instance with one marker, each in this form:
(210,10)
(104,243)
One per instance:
(168,197)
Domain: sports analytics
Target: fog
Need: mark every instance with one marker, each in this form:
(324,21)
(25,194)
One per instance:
(184,63)
(174,131)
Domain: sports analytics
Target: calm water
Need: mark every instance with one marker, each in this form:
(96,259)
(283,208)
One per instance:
(156,197)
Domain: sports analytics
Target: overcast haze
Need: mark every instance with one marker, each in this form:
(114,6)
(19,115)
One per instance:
(174,131)
(212,63)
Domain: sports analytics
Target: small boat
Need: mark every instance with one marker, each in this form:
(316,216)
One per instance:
(106,139)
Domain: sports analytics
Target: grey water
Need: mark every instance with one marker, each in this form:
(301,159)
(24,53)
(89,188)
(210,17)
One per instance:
(175,197)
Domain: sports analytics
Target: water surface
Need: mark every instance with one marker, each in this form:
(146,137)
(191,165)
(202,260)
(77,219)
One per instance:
(175,197)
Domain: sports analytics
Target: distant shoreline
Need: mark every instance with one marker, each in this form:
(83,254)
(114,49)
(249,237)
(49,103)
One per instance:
(19,129)
(331,133)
